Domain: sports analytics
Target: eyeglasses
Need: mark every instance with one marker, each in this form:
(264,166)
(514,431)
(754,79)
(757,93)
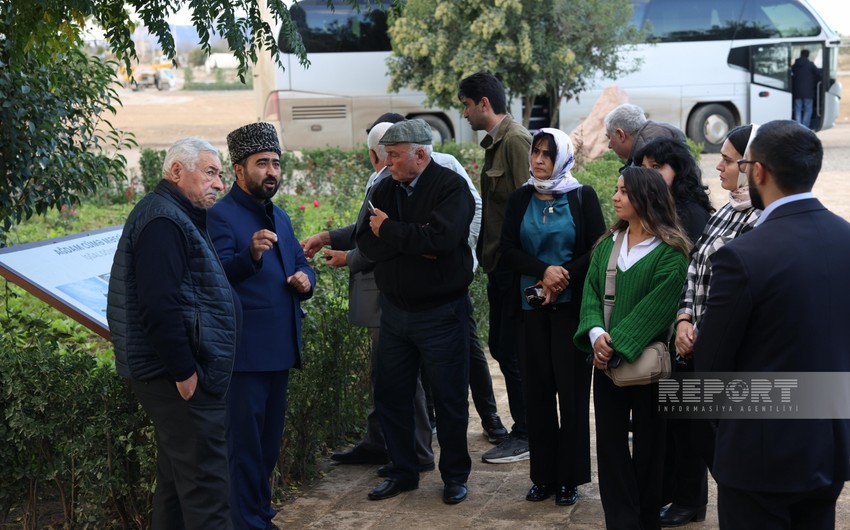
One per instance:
(742,164)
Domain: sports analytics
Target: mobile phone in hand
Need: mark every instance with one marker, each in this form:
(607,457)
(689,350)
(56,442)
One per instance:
(371,207)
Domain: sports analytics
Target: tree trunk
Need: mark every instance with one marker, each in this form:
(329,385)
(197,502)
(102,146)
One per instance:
(527,107)
(554,107)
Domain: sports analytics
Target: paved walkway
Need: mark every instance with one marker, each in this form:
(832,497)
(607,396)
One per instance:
(496,495)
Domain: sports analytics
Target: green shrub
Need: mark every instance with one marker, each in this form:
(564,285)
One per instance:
(602,176)
(222,85)
(150,164)
(69,432)
(329,396)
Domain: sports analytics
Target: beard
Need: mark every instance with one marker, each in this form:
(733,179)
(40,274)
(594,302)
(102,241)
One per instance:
(259,191)
(755,197)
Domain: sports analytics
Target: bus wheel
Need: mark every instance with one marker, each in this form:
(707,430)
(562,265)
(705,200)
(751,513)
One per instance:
(439,129)
(709,125)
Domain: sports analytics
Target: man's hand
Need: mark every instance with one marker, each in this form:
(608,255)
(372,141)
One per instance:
(300,282)
(261,241)
(187,387)
(314,243)
(376,220)
(335,258)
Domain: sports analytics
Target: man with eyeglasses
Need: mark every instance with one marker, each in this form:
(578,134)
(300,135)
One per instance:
(779,300)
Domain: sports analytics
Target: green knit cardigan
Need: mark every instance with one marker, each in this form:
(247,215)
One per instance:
(646,299)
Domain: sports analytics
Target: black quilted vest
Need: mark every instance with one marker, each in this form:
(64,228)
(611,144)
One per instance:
(208,314)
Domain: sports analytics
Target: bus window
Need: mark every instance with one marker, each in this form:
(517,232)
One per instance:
(678,21)
(776,18)
(341,29)
(771,65)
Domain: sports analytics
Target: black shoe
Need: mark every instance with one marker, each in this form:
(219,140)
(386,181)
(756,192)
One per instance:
(390,488)
(675,515)
(538,492)
(361,455)
(384,471)
(454,492)
(494,430)
(566,496)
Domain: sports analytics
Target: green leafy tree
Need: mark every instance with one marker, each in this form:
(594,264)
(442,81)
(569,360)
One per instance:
(54,145)
(54,142)
(552,48)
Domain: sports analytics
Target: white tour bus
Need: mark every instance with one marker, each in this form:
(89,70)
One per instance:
(713,64)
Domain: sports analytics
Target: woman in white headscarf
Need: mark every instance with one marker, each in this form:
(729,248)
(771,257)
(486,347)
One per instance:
(550,227)
(689,480)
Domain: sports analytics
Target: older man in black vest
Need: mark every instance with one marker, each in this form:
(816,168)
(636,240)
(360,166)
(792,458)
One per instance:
(173,319)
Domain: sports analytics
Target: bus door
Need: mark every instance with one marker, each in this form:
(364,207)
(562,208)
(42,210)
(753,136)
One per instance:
(770,82)
(828,91)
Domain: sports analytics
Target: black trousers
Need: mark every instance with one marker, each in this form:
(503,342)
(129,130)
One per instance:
(629,481)
(807,510)
(192,484)
(374,437)
(438,339)
(480,381)
(558,397)
(504,341)
(685,473)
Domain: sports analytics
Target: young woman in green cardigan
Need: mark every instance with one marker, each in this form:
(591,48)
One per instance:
(651,269)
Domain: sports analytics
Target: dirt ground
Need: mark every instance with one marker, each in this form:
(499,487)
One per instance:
(159,118)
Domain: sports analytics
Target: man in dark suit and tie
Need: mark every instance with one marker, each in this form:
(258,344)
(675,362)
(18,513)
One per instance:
(780,296)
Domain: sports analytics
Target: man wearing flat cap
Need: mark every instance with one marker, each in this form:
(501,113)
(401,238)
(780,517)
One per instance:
(417,237)
(267,268)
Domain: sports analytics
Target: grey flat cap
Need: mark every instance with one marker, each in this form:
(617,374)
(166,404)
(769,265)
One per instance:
(413,131)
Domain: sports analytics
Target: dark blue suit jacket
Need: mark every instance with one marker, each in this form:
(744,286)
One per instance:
(779,302)
(271,330)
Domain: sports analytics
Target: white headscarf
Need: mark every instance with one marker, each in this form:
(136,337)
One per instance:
(740,196)
(561,180)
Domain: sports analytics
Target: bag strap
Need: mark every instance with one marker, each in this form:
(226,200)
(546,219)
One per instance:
(611,277)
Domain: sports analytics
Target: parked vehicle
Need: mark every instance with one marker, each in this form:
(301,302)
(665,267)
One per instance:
(158,75)
(707,66)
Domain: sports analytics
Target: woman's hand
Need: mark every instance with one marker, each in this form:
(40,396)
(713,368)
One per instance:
(602,351)
(685,337)
(556,278)
(549,295)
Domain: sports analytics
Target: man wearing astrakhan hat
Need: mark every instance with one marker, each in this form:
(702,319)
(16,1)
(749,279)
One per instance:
(417,237)
(267,268)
